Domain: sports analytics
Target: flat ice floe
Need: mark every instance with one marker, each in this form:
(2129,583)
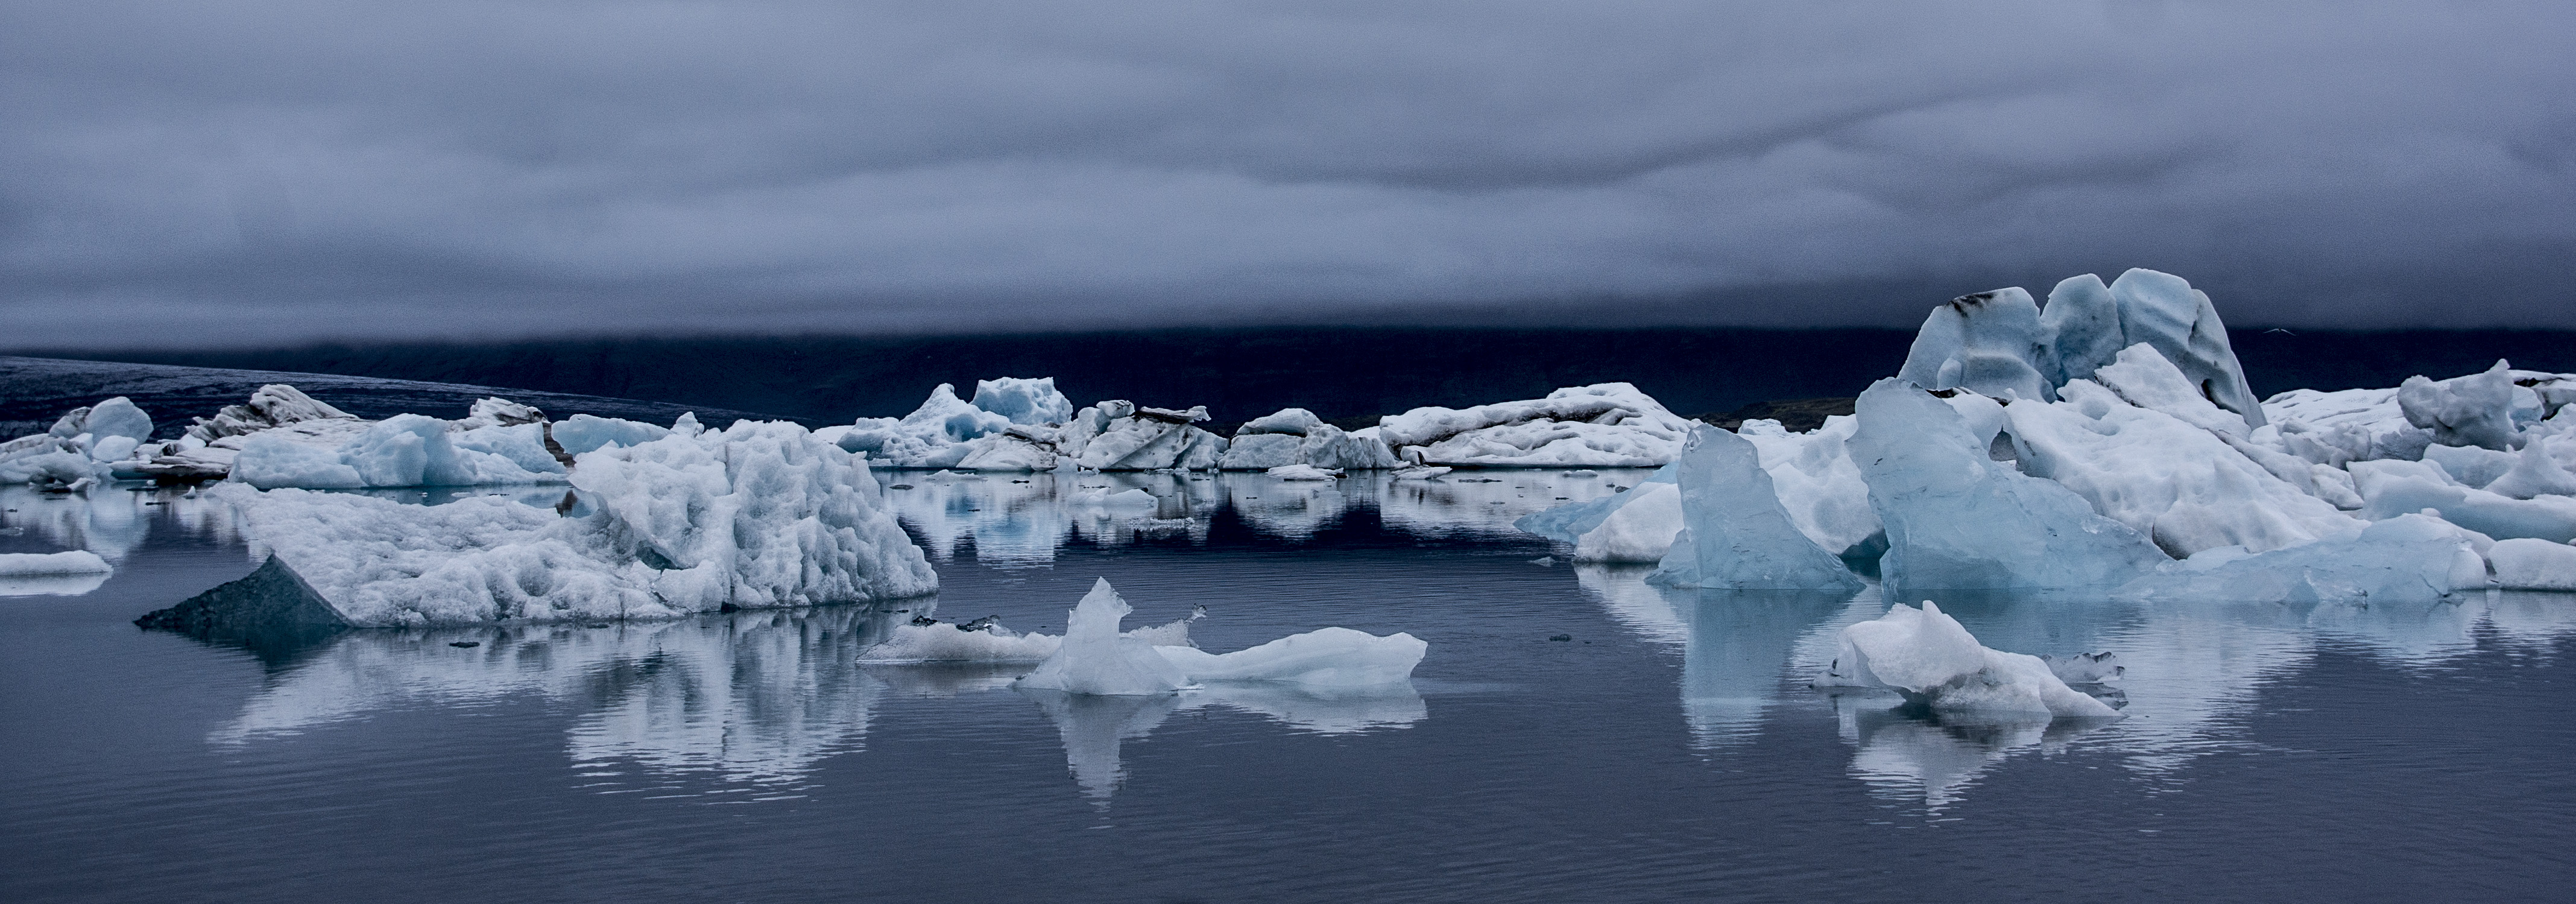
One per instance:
(759,515)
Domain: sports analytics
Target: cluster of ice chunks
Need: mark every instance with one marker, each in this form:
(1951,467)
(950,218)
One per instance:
(1020,424)
(82,448)
(1295,436)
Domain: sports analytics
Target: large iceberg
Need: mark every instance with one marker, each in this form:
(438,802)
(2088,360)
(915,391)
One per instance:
(1930,659)
(759,515)
(1119,435)
(1958,519)
(1095,659)
(1605,425)
(1735,533)
(1295,436)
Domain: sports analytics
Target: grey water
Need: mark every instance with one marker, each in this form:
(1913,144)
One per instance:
(1668,748)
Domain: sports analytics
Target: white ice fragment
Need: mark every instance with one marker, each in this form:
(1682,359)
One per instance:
(1958,519)
(1287,421)
(1095,659)
(1926,655)
(1417,472)
(1303,472)
(2527,564)
(31,564)
(1735,533)
(2475,410)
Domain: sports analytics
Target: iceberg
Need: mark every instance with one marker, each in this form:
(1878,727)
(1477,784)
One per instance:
(1638,527)
(1569,522)
(1023,400)
(1605,425)
(1295,436)
(113,417)
(2410,558)
(274,405)
(760,515)
(583,433)
(2527,564)
(1095,659)
(2404,488)
(934,435)
(1817,482)
(2475,410)
(1998,344)
(1303,472)
(1958,519)
(1119,435)
(1926,656)
(1735,532)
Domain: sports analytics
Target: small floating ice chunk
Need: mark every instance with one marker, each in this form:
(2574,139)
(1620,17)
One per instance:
(1095,659)
(1933,661)
(33,564)
(1303,472)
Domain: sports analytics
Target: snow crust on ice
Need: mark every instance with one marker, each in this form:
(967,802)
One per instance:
(2527,564)
(1095,659)
(1735,532)
(2182,486)
(31,564)
(2475,410)
(2410,558)
(1023,400)
(758,515)
(405,450)
(1927,656)
(1958,519)
(1605,425)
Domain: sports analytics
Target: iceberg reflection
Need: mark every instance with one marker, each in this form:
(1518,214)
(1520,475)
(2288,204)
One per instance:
(1094,727)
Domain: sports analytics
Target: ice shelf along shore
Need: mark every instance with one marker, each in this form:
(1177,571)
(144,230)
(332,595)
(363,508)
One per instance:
(1093,657)
(2108,441)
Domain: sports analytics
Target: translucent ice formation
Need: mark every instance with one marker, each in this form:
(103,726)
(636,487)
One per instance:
(584,433)
(1735,532)
(1990,342)
(759,515)
(1926,655)
(1095,659)
(1998,344)
(1024,400)
(1605,425)
(1956,518)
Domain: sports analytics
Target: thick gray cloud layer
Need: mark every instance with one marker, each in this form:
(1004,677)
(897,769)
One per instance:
(183,173)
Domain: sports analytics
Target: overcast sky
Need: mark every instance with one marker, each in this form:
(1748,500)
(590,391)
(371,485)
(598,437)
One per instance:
(262,172)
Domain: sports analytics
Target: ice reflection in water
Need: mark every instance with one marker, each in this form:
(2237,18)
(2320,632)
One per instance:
(1093,727)
(2193,669)
(109,521)
(1023,519)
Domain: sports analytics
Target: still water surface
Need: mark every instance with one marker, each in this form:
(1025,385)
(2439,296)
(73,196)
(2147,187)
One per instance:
(1669,750)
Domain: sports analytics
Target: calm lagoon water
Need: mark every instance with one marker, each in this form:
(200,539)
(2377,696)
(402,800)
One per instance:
(1670,749)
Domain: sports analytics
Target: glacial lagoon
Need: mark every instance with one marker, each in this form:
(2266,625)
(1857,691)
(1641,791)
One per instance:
(1574,734)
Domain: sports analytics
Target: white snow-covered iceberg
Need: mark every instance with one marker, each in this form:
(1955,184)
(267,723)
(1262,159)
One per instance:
(84,448)
(1735,533)
(758,515)
(1605,425)
(1119,435)
(1095,659)
(1930,659)
(939,434)
(48,564)
(1295,436)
